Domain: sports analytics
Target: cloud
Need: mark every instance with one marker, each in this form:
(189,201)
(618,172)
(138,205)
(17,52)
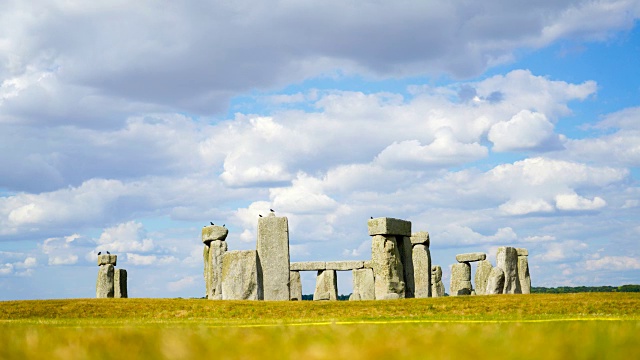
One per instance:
(61,251)
(615,263)
(571,202)
(125,237)
(525,131)
(149,260)
(185,282)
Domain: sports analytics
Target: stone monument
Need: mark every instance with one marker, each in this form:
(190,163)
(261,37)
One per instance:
(215,247)
(111,282)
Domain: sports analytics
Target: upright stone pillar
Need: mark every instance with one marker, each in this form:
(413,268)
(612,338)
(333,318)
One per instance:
(295,286)
(482,275)
(241,276)
(215,247)
(523,270)
(460,279)
(495,282)
(437,287)
(507,260)
(326,285)
(363,285)
(421,264)
(406,258)
(120,283)
(387,255)
(273,256)
(105,282)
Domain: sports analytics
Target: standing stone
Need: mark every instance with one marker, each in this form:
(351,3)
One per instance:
(104,285)
(295,286)
(406,257)
(437,287)
(495,282)
(422,271)
(217,249)
(507,260)
(273,256)
(240,276)
(387,266)
(482,275)
(120,283)
(207,270)
(523,271)
(363,285)
(460,279)
(326,285)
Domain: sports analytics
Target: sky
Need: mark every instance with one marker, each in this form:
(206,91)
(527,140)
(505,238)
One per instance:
(127,126)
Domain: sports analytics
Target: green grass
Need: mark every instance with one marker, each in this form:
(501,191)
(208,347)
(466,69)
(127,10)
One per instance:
(584,326)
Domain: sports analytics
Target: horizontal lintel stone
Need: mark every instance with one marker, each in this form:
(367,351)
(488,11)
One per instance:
(421,237)
(214,232)
(105,259)
(307,266)
(345,265)
(522,252)
(389,226)
(470,257)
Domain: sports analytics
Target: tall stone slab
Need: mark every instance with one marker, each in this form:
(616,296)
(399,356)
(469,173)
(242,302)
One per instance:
(217,249)
(273,256)
(523,271)
(495,282)
(241,276)
(421,271)
(363,285)
(207,270)
(507,260)
(482,275)
(326,285)
(120,283)
(437,287)
(460,279)
(387,267)
(104,284)
(406,257)
(295,286)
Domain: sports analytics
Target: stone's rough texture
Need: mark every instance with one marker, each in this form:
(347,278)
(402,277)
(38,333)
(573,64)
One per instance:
(437,287)
(470,257)
(406,257)
(460,279)
(308,266)
(104,285)
(523,275)
(363,285)
(105,259)
(207,270)
(295,286)
(273,255)
(120,283)
(421,271)
(214,232)
(507,260)
(495,282)
(326,285)
(482,275)
(241,276)
(368,264)
(345,265)
(421,237)
(389,226)
(522,252)
(387,267)
(217,249)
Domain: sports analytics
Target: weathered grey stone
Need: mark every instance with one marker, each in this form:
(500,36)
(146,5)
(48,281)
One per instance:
(363,285)
(389,226)
(391,296)
(326,285)
(217,249)
(273,255)
(460,279)
(471,257)
(387,267)
(207,270)
(120,283)
(523,275)
(482,275)
(437,287)
(295,286)
(495,282)
(368,264)
(308,266)
(507,260)
(406,257)
(421,237)
(104,284)
(241,276)
(422,271)
(214,232)
(105,259)
(522,252)
(345,265)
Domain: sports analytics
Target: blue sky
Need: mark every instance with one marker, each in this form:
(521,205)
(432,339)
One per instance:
(126,127)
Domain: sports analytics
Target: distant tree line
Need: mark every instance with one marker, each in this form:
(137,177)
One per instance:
(582,289)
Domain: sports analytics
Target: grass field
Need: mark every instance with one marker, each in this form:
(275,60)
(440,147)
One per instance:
(576,326)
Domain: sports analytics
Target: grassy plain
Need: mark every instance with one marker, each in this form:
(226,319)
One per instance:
(551,326)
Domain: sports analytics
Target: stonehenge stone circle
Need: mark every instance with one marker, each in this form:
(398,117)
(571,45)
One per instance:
(387,266)
(120,283)
(495,282)
(482,275)
(406,258)
(523,271)
(363,285)
(241,276)
(104,285)
(507,260)
(273,256)
(471,257)
(215,247)
(326,285)
(295,286)
(460,279)
(111,282)
(437,287)
(421,271)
